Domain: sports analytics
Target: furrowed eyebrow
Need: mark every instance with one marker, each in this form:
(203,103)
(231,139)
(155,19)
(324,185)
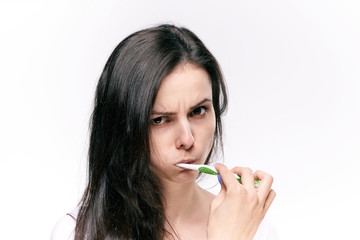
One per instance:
(162,113)
(201,102)
(173,113)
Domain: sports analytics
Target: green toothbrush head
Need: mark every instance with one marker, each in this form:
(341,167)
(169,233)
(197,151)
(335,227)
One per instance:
(207,170)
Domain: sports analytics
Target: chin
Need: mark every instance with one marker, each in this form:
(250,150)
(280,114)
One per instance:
(188,175)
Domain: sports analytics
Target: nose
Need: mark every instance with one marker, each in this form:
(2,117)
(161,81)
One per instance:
(185,139)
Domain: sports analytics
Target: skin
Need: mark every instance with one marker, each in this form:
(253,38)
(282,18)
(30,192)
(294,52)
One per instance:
(183,123)
(182,130)
(238,210)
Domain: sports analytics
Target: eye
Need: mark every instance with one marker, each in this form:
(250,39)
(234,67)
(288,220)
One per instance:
(199,111)
(158,120)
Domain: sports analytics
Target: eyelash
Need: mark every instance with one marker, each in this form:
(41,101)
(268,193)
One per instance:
(164,119)
(201,108)
(158,124)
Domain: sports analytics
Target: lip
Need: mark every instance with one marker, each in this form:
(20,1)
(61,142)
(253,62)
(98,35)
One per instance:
(187,161)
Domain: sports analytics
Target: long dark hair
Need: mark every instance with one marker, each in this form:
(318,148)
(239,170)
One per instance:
(123,198)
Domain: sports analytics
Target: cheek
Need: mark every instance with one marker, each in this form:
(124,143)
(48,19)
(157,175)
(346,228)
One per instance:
(211,138)
(209,133)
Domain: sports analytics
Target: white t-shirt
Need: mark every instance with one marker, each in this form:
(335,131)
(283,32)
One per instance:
(65,228)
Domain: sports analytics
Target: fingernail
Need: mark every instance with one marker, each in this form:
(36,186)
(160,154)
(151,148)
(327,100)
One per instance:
(219,179)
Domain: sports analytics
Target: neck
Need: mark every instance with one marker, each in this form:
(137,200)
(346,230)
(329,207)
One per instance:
(181,200)
(186,207)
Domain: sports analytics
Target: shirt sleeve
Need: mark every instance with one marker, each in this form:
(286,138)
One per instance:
(64,228)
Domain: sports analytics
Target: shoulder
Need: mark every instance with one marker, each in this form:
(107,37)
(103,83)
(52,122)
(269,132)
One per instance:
(65,227)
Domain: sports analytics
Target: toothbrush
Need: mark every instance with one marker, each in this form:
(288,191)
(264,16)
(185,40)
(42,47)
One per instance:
(208,170)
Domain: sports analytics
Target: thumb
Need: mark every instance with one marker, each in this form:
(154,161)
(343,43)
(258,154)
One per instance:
(219,198)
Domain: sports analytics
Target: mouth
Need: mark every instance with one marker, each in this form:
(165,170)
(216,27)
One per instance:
(188,161)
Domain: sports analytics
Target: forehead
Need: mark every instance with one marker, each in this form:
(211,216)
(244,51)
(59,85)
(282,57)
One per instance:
(186,85)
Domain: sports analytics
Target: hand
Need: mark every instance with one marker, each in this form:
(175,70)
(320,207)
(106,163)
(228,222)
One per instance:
(238,210)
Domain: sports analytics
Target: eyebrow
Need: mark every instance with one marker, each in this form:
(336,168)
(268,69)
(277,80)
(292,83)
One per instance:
(173,113)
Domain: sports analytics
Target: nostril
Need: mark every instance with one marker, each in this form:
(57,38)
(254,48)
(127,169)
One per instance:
(185,139)
(186,146)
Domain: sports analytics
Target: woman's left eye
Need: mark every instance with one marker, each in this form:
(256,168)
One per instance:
(199,111)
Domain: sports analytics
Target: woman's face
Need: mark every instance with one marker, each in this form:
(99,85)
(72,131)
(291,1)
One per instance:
(182,123)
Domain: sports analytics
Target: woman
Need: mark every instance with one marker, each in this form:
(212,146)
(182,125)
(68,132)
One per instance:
(158,103)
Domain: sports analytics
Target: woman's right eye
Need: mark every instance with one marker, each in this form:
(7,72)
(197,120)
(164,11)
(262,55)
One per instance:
(158,120)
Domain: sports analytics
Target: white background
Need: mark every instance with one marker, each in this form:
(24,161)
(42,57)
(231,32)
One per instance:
(293,74)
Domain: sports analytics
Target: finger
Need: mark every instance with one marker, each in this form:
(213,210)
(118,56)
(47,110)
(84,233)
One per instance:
(264,187)
(227,176)
(270,198)
(247,177)
(218,199)
(221,194)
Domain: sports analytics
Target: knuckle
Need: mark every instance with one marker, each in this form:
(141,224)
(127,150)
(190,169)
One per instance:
(220,167)
(271,178)
(259,172)
(236,169)
(238,188)
(235,190)
(253,197)
(248,170)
